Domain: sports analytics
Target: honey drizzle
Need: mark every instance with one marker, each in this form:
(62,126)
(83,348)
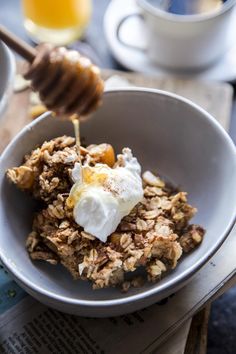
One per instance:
(76,125)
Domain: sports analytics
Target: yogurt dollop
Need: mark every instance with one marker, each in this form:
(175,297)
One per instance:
(105,195)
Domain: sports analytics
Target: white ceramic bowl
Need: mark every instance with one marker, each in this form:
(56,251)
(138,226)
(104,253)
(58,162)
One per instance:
(168,134)
(7,71)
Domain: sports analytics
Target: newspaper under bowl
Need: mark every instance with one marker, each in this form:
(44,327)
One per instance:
(167,133)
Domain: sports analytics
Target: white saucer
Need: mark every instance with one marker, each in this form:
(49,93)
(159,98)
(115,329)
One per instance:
(132,32)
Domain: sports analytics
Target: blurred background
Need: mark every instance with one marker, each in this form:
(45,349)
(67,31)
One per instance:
(11,15)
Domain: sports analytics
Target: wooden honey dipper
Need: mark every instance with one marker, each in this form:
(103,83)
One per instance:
(67,82)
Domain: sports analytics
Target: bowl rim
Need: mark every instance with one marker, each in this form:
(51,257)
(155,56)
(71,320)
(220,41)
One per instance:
(185,19)
(10,79)
(160,288)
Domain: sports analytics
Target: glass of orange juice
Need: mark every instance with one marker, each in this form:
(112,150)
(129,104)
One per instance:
(56,21)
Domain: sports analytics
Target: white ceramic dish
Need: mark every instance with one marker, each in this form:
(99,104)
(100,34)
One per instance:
(134,34)
(7,71)
(186,42)
(168,134)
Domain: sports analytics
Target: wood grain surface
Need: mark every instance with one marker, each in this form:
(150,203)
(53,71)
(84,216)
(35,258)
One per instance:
(216,98)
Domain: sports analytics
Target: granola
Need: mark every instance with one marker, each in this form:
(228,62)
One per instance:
(153,236)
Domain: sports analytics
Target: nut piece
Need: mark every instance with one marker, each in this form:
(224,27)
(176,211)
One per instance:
(191,238)
(153,180)
(155,270)
(115,238)
(23,176)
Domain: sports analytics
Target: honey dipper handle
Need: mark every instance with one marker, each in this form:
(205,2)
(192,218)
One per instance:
(15,43)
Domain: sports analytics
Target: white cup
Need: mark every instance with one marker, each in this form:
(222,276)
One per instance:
(186,42)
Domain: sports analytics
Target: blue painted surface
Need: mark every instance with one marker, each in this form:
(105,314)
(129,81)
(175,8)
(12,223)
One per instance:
(222,325)
(10,292)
